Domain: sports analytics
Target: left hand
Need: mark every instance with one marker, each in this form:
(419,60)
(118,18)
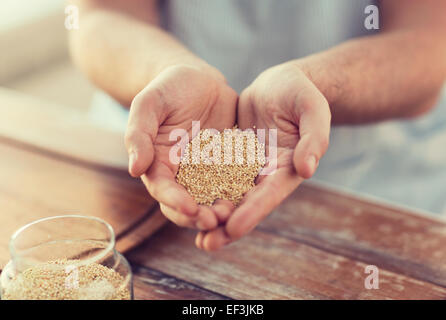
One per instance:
(281,98)
(176,97)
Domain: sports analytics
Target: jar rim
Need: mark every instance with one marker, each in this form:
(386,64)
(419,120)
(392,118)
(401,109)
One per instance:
(96,257)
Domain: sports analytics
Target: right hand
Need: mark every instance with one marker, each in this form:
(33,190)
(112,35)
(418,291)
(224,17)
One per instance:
(175,98)
(285,99)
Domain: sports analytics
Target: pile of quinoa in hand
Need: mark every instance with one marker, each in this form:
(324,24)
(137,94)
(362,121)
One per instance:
(226,174)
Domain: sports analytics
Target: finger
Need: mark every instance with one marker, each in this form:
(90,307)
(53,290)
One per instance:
(144,120)
(246,117)
(314,118)
(199,239)
(160,182)
(215,239)
(179,219)
(223,209)
(224,109)
(206,219)
(260,201)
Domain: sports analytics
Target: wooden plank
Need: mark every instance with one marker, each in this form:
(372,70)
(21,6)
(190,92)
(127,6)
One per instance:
(266,266)
(34,186)
(149,284)
(396,239)
(59,129)
(141,231)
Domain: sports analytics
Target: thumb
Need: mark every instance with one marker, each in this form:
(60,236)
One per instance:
(144,120)
(314,129)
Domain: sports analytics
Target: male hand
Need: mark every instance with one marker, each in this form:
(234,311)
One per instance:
(281,98)
(176,97)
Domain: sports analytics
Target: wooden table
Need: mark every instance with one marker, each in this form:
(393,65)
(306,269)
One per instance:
(316,245)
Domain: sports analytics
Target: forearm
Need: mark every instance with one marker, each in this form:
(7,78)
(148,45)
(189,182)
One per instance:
(121,54)
(391,75)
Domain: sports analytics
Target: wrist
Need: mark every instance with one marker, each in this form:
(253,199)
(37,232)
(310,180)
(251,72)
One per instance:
(197,64)
(212,71)
(329,84)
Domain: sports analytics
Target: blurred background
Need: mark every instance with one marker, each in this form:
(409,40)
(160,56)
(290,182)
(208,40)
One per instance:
(34,55)
(44,99)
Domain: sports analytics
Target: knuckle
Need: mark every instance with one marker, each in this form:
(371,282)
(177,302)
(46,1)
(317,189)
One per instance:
(150,97)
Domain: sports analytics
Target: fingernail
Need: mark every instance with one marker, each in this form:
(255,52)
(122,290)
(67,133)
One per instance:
(199,240)
(312,163)
(132,160)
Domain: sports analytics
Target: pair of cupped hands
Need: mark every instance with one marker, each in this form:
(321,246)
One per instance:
(282,97)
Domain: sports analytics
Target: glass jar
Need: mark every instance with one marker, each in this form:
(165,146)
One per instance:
(65,258)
